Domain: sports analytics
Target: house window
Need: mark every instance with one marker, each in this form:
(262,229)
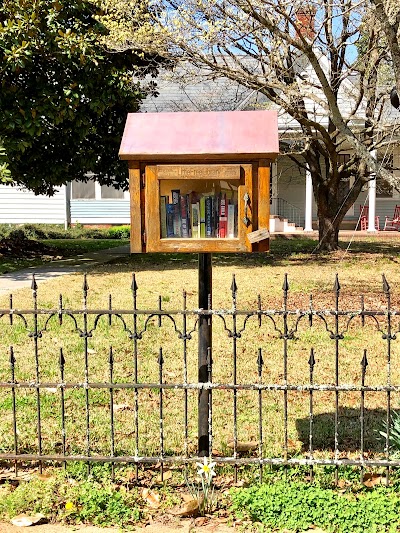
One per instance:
(91,190)
(83,191)
(111,193)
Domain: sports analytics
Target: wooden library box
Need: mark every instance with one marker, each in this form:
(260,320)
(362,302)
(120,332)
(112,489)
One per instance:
(200,182)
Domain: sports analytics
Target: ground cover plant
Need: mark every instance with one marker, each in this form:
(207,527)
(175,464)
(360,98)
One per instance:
(161,280)
(300,506)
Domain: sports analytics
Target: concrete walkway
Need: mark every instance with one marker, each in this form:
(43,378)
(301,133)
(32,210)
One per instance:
(23,278)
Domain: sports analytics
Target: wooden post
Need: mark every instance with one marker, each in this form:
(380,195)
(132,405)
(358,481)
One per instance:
(136,217)
(263,201)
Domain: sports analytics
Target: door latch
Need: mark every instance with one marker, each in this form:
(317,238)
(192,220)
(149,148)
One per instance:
(245,219)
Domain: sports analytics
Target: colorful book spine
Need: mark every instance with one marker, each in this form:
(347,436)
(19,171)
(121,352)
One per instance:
(175,194)
(223,218)
(163,216)
(231,221)
(170,219)
(209,216)
(177,221)
(202,217)
(195,220)
(184,216)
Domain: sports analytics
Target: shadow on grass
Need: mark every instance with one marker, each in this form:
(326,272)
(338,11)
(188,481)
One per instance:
(349,430)
(284,251)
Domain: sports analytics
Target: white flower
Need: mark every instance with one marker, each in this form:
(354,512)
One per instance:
(206,468)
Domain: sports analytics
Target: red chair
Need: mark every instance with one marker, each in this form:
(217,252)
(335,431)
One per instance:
(393,224)
(364,218)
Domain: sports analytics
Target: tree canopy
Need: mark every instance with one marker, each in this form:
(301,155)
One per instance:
(64,97)
(324,64)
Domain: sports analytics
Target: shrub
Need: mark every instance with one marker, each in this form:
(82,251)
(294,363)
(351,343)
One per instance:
(119,232)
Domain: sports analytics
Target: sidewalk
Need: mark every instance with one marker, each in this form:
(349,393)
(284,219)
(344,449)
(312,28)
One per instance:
(23,278)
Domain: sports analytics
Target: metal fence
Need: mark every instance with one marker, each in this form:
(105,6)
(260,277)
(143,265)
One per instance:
(286,386)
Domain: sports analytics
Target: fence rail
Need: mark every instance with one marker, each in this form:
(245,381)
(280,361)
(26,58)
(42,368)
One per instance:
(276,375)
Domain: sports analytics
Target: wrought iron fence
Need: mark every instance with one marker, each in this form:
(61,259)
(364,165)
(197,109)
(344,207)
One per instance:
(286,386)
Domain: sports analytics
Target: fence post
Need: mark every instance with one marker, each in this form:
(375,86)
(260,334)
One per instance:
(204,351)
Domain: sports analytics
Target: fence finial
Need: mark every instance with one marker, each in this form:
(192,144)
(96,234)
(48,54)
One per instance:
(12,357)
(160,360)
(311,360)
(336,286)
(260,361)
(364,361)
(134,286)
(62,358)
(85,287)
(34,284)
(233,286)
(386,286)
(285,286)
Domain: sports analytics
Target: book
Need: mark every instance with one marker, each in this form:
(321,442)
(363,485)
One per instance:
(184,216)
(223,218)
(195,220)
(177,221)
(209,218)
(202,217)
(163,216)
(175,193)
(231,221)
(170,219)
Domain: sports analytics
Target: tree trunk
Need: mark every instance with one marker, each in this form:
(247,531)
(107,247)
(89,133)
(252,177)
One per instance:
(328,233)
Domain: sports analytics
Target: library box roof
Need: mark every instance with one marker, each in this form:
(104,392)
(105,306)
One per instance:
(209,135)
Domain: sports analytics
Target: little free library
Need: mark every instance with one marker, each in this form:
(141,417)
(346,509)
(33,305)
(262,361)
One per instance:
(200,182)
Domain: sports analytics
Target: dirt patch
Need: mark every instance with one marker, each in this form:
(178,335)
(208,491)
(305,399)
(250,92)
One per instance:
(183,526)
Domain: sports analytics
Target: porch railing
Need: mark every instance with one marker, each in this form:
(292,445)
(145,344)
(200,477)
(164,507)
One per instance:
(284,209)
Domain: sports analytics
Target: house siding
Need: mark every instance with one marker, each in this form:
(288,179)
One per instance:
(19,206)
(100,212)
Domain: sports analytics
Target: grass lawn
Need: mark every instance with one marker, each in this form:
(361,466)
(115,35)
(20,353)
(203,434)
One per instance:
(359,270)
(62,248)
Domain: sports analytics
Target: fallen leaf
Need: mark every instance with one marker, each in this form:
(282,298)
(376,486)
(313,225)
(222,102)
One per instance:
(200,521)
(217,453)
(89,350)
(370,480)
(43,477)
(167,474)
(190,508)
(122,407)
(151,497)
(243,447)
(23,520)
(343,483)
(222,519)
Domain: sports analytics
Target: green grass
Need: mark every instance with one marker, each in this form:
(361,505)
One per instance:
(64,248)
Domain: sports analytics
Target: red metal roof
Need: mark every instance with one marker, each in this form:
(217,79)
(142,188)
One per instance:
(156,136)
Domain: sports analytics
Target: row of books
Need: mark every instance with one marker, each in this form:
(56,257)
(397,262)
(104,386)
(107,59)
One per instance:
(198,216)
